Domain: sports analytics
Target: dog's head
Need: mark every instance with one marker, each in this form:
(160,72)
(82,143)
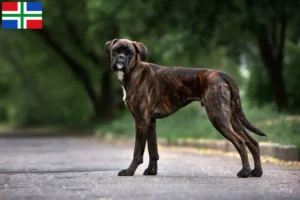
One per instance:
(124,53)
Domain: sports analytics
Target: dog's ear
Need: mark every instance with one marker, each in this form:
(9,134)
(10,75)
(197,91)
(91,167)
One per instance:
(141,49)
(108,46)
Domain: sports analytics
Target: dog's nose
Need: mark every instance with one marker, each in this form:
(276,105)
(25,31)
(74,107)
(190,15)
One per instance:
(122,57)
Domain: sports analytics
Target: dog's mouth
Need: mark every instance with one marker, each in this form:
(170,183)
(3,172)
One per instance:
(118,67)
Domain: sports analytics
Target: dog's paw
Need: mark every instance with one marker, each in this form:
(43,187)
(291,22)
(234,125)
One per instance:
(150,171)
(257,172)
(244,173)
(126,172)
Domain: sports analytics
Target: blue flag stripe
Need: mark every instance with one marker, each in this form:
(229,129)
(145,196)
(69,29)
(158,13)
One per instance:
(10,24)
(34,6)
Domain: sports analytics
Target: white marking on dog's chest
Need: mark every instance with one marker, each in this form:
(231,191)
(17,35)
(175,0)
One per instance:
(124,95)
(120,77)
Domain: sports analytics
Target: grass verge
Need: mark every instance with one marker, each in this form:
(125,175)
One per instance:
(192,122)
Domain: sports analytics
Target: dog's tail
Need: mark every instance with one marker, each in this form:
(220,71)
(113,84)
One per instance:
(235,97)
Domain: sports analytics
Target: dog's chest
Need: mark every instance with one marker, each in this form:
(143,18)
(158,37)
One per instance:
(124,95)
(120,75)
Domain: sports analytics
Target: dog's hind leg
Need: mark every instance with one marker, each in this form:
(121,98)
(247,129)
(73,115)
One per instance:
(152,149)
(251,143)
(141,133)
(225,128)
(217,105)
(255,151)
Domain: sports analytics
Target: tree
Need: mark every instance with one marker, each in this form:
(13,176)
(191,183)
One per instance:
(268,21)
(79,40)
(71,31)
(240,23)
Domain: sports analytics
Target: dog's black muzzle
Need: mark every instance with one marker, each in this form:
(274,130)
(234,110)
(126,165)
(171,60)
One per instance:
(120,63)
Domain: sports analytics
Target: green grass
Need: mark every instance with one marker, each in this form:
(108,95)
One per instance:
(192,122)
(5,127)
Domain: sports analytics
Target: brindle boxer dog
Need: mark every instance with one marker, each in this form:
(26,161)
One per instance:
(152,92)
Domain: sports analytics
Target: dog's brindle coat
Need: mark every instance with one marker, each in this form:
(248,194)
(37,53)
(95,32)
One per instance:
(152,92)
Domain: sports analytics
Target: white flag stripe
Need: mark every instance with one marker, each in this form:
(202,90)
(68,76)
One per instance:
(14,12)
(29,18)
(10,18)
(19,24)
(24,23)
(11,12)
(30,12)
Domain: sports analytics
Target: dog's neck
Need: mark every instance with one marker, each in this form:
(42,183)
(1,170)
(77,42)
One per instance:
(126,79)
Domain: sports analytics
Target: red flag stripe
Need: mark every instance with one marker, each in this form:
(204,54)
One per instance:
(9,6)
(34,24)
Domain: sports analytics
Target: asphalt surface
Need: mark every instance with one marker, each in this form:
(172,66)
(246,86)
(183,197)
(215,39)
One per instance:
(83,168)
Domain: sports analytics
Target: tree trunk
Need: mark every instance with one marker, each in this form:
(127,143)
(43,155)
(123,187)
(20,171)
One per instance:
(278,86)
(275,73)
(79,72)
(106,107)
(272,54)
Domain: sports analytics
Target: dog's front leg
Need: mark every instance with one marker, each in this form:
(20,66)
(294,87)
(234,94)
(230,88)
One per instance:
(141,133)
(152,149)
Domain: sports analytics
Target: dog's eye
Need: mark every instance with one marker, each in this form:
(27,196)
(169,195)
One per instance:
(130,54)
(114,52)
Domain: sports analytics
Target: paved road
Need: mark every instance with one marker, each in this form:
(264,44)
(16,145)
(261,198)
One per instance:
(82,168)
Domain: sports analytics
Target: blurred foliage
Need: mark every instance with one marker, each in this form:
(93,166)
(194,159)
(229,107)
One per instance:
(259,89)
(61,75)
(292,75)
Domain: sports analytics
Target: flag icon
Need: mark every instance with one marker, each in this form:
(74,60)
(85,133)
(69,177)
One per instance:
(22,15)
